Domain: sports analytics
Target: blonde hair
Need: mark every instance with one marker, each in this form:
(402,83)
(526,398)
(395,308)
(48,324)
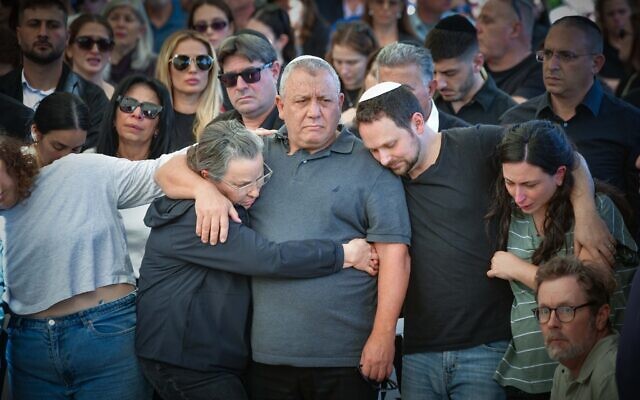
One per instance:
(211,98)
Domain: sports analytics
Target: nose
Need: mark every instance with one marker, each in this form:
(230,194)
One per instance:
(519,195)
(137,113)
(43,29)
(313,109)
(553,320)
(240,83)
(384,158)
(254,191)
(440,81)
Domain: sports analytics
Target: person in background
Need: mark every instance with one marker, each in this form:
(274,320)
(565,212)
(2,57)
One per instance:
(389,21)
(614,19)
(91,6)
(10,56)
(59,127)
(133,50)
(89,49)
(273,22)
(242,11)
(189,70)
(212,18)
(310,29)
(165,17)
(427,15)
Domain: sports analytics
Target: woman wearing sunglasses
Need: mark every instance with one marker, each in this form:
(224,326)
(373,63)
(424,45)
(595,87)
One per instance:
(213,19)
(535,218)
(89,49)
(195,299)
(137,126)
(188,69)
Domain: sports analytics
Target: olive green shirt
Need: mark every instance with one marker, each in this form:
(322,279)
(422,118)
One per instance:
(597,377)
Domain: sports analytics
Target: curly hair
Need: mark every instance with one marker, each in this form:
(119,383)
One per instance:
(21,167)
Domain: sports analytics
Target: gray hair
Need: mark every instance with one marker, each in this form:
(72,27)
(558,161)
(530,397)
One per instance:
(311,64)
(221,142)
(402,54)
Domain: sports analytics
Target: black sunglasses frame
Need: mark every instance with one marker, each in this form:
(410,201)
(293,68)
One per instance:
(249,75)
(181,62)
(217,25)
(149,110)
(87,43)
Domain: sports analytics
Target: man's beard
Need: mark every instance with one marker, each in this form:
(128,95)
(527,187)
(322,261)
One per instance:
(43,58)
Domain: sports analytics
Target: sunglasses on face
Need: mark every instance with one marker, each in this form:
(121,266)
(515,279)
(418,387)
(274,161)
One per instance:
(204,62)
(249,75)
(216,25)
(129,104)
(87,42)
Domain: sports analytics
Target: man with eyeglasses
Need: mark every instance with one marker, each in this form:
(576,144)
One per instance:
(505,29)
(42,35)
(249,72)
(573,311)
(605,129)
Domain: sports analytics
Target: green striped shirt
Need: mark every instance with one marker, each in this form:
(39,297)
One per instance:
(526,364)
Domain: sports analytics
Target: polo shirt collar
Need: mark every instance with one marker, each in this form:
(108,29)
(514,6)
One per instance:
(594,357)
(592,100)
(344,143)
(486,94)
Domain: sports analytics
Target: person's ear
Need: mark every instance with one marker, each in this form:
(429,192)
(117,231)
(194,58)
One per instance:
(602,317)
(36,135)
(281,41)
(280,105)
(204,173)
(558,177)
(432,87)
(417,122)
(478,62)
(597,63)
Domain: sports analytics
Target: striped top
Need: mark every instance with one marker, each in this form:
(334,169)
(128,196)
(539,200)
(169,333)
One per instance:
(526,364)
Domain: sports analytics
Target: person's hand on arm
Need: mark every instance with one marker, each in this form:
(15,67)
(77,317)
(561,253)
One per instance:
(212,208)
(508,266)
(376,361)
(359,254)
(590,231)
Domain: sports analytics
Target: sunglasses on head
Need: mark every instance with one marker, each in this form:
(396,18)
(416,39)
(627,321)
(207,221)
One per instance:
(216,25)
(87,42)
(204,62)
(249,75)
(129,104)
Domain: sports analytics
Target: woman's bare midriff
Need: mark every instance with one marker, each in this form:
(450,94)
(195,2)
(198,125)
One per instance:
(84,301)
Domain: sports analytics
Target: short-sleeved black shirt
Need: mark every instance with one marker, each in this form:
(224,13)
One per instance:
(486,107)
(524,79)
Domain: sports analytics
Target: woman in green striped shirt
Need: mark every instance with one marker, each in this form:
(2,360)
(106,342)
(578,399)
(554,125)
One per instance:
(533,208)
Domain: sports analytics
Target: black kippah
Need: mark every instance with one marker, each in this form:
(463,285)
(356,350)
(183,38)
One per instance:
(456,23)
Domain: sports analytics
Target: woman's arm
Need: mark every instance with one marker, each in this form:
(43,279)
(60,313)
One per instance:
(510,267)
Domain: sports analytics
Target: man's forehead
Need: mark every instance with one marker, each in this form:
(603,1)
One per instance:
(559,291)
(51,13)
(565,38)
(307,82)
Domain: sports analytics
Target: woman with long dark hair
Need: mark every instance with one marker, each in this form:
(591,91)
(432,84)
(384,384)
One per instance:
(273,22)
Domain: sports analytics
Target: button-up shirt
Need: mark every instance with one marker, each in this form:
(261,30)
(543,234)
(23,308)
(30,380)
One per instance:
(31,97)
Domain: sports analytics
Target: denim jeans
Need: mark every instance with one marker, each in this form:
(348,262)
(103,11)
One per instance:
(88,355)
(459,374)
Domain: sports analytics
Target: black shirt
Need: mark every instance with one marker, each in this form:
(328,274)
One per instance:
(272,121)
(183,127)
(486,107)
(606,131)
(523,79)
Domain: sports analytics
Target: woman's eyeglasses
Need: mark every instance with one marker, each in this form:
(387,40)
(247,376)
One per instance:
(87,42)
(258,183)
(129,104)
(249,75)
(204,62)
(216,25)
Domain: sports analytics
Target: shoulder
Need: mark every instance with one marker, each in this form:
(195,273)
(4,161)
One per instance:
(522,112)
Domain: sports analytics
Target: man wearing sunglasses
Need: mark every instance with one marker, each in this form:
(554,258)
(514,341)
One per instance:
(249,72)
(42,35)
(573,312)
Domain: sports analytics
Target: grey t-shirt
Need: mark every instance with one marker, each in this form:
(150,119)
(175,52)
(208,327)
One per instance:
(338,193)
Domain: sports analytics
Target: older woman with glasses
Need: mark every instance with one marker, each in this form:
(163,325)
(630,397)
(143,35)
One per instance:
(536,220)
(194,302)
(187,67)
(213,19)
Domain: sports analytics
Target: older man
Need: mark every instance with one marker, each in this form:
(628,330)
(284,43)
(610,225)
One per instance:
(573,311)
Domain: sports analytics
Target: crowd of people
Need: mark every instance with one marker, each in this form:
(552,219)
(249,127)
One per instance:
(296,199)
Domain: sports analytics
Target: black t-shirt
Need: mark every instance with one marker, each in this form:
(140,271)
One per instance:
(524,79)
(451,304)
(183,127)
(613,67)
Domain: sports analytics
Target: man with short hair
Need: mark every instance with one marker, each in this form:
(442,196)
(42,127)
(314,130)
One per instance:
(42,35)
(573,311)
(462,89)
(504,31)
(413,66)
(427,15)
(605,129)
(249,72)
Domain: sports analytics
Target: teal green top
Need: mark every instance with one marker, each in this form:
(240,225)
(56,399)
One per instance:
(597,377)
(526,364)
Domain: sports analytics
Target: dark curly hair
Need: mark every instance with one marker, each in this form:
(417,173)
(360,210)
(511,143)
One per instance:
(21,167)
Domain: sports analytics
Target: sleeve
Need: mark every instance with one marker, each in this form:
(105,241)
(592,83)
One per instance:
(98,103)
(386,210)
(248,253)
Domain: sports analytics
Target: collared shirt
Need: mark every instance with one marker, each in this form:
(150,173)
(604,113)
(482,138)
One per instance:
(433,122)
(597,377)
(486,106)
(605,129)
(31,97)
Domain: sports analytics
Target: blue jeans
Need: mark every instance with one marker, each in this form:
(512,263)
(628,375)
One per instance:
(460,374)
(87,355)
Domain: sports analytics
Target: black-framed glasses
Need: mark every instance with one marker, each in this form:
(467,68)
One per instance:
(563,313)
(87,42)
(204,62)
(564,56)
(129,104)
(216,25)
(249,75)
(258,183)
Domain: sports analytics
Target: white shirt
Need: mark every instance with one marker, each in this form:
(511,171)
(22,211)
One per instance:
(31,97)
(433,122)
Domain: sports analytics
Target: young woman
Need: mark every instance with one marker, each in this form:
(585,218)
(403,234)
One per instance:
(133,50)
(615,19)
(59,127)
(195,299)
(535,222)
(212,18)
(89,49)
(273,22)
(389,21)
(189,70)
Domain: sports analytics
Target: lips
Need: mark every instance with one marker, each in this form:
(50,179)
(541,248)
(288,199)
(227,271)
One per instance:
(193,81)
(134,127)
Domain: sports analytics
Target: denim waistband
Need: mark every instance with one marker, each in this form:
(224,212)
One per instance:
(78,318)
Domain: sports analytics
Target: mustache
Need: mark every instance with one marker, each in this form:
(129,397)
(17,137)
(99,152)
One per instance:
(554,336)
